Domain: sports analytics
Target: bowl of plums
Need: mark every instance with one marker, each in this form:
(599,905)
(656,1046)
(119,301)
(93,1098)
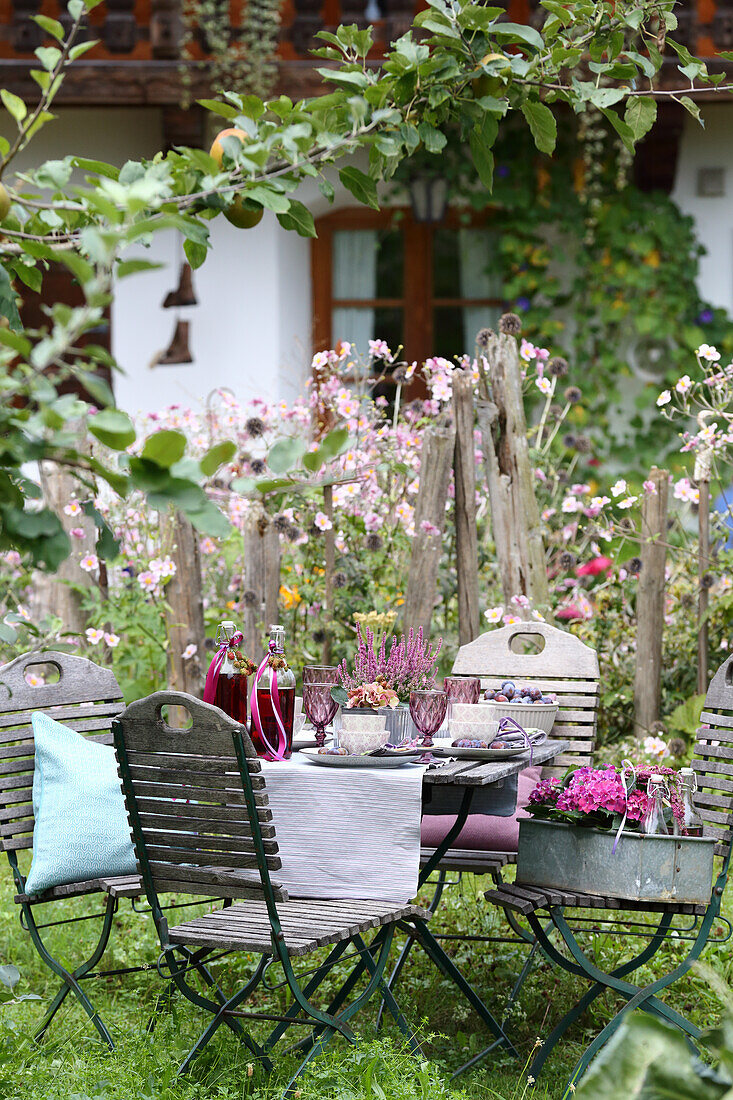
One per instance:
(528,705)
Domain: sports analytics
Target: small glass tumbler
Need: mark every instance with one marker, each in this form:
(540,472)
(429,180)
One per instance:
(460,689)
(320,674)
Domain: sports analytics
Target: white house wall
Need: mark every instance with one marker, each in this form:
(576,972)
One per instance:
(711,147)
(250,331)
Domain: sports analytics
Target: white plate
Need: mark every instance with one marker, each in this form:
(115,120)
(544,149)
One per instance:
(356,761)
(465,753)
(307,739)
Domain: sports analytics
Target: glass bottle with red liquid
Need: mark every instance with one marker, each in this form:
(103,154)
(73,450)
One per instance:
(231,687)
(276,681)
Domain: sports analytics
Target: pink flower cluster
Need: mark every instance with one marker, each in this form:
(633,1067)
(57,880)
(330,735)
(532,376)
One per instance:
(372,695)
(409,666)
(590,791)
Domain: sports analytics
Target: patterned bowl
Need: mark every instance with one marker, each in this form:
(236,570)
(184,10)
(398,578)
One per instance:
(539,716)
(468,712)
(361,722)
(483,727)
(357,742)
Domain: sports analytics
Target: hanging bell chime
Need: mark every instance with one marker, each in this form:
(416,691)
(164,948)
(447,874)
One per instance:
(178,350)
(184,294)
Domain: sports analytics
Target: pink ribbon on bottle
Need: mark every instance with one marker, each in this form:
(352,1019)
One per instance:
(272,753)
(212,676)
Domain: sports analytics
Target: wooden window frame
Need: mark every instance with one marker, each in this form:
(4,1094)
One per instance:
(417,301)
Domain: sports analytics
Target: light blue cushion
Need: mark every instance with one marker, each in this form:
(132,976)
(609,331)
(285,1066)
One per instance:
(81,830)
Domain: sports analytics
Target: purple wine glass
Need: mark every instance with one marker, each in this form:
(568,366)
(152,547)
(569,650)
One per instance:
(427,710)
(320,674)
(319,708)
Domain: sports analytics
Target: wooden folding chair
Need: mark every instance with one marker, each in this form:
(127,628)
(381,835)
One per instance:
(541,655)
(198,808)
(86,698)
(713,764)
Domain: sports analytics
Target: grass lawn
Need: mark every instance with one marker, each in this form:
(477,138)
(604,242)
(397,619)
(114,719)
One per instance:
(71,1064)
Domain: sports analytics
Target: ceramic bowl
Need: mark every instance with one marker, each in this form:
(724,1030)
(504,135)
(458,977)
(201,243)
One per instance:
(357,742)
(361,723)
(482,727)
(468,712)
(539,716)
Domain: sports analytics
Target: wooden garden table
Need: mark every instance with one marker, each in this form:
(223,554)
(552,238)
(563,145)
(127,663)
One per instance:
(460,787)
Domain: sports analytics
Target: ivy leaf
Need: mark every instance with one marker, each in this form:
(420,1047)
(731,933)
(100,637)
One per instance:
(362,187)
(113,428)
(542,124)
(8,306)
(641,114)
(217,455)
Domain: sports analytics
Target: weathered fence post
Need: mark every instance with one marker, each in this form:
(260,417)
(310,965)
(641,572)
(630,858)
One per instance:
(50,595)
(514,509)
(650,605)
(464,466)
(261,578)
(184,608)
(436,461)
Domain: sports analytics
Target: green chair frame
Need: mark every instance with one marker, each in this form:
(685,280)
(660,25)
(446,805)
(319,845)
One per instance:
(223,837)
(713,763)
(86,697)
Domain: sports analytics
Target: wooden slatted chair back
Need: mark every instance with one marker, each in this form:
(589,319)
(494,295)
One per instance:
(564,666)
(713,759)
(186,801)
(85,697)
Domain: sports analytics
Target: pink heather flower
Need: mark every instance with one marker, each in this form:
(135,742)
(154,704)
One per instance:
(73,508)
(429,528)
(94,636)
(77,532)
(89,563)
(493,614)
(189,652)
(409,666)
(112,640)
(322,522)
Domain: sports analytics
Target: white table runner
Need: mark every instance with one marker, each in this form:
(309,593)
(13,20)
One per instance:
(351,833)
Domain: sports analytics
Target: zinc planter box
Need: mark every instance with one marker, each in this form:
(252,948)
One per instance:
(643,868)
